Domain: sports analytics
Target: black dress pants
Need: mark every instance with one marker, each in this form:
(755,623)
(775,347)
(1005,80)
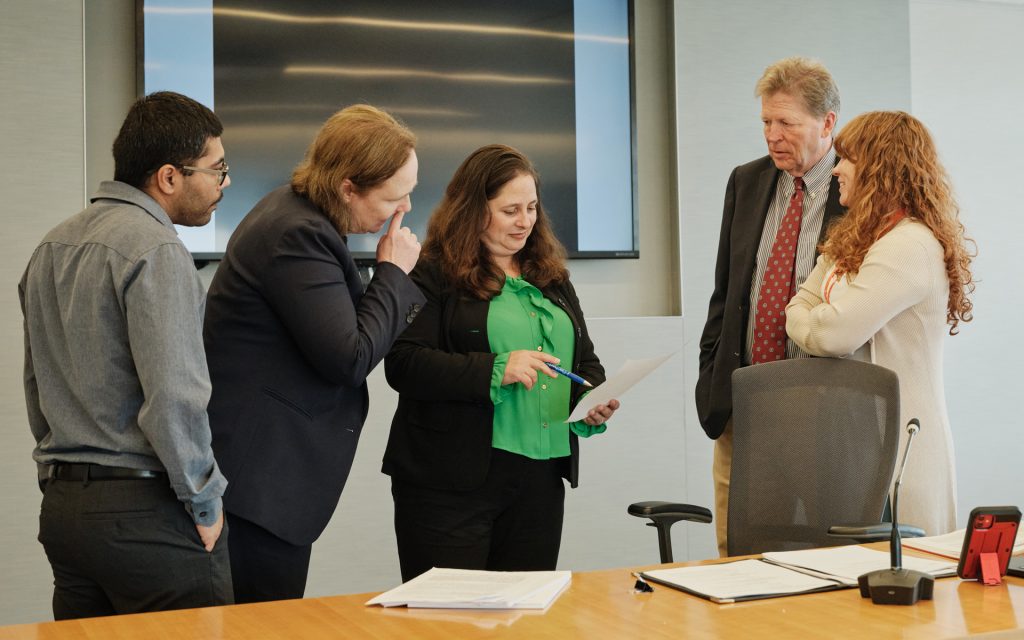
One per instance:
(511,523)
(263,566)
(127,546)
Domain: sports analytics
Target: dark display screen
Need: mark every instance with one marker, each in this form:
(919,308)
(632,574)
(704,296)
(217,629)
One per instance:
(550,77)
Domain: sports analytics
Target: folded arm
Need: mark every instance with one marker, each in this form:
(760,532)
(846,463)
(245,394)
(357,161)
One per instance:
(893,277)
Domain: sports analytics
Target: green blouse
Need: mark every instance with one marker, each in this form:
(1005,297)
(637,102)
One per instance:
(531,422)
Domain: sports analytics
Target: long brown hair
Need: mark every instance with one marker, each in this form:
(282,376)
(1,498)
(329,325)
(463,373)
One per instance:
(455,231)
(361,143)
(898,170)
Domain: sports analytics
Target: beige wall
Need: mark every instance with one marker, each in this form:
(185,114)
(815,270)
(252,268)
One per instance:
(41,179)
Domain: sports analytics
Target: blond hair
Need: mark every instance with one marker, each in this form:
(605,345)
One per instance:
(361,143)
(804,78)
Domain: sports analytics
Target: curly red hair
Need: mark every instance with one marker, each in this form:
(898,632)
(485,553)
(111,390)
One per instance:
(898,170)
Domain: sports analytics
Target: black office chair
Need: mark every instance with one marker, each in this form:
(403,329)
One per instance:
(814,444)
(665,514)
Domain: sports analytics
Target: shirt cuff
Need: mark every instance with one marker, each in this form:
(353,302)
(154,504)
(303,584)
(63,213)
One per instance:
(584,430)
(499,392)
(207,513)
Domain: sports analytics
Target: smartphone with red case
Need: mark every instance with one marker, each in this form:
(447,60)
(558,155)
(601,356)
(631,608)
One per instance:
(988,543)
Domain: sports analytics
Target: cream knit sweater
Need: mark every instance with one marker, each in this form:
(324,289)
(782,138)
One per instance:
(897,302)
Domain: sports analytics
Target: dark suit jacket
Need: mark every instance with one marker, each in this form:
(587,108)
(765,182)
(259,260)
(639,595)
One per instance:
(290,338)
(441,367)
(747,199)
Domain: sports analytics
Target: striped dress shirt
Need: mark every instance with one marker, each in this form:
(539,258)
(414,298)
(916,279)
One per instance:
(816,184)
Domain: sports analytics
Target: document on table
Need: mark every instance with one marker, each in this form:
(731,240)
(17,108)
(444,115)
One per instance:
(785,573)
(470,589)
(950,545)
(632,372)
(845,564)
(740,580)
(491,620)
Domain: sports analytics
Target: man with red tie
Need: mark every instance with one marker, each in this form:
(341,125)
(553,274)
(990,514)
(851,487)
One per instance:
(777,210)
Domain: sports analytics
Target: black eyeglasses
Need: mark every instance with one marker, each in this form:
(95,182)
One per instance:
(222,172)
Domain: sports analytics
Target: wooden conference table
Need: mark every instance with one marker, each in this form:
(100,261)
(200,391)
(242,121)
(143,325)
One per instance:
(598,604)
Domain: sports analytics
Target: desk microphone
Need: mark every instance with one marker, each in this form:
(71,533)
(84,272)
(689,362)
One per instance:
(897,585)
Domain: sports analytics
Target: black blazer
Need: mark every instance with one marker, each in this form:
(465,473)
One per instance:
(441,367)
(290,339)
(747,199)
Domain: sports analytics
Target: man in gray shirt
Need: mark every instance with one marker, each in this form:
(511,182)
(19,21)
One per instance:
(116,382)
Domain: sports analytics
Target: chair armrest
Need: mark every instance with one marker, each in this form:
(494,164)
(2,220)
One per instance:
(877,532)
(663,515)
(658,510)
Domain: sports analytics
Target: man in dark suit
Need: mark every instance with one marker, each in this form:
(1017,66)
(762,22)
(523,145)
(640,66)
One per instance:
(777,210)
(291,336)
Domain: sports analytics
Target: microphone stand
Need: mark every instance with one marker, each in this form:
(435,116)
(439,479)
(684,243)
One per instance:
(897,585)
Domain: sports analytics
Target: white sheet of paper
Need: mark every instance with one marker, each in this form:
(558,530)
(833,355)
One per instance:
(846,563)
(540,598)
(632,372)
(741,579)
(950,545)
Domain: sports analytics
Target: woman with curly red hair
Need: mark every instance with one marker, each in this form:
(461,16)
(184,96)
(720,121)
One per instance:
(894,275)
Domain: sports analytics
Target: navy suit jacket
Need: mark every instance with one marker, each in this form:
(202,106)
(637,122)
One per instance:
(290,338)
(747,199)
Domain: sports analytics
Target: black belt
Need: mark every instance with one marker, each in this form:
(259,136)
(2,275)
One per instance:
(83,472)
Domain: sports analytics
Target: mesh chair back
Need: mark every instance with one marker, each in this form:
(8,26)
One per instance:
(814,444)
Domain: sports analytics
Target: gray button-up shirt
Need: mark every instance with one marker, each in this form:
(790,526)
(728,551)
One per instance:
(115,371)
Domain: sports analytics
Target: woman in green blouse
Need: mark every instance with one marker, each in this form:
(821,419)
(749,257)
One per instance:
(480,445)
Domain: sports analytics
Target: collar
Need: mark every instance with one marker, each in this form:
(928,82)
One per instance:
(123,192)
(815,180)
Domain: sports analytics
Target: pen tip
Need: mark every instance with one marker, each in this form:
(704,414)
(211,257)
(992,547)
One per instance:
(587,384)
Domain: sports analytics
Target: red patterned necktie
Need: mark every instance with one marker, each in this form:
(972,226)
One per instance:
(777,287)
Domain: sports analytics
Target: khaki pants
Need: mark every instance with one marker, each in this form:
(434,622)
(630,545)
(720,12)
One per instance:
(720,470)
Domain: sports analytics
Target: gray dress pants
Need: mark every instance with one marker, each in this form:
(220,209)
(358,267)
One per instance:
(127,546)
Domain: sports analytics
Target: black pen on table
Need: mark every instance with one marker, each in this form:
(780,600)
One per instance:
(569,374)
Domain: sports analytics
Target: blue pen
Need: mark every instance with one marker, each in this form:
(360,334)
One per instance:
(569,374)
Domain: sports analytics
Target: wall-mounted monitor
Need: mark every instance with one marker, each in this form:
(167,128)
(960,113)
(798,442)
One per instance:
(550,77)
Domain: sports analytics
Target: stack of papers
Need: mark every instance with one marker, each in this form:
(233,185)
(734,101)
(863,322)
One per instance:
(949,545)
(787,573)
(469,589)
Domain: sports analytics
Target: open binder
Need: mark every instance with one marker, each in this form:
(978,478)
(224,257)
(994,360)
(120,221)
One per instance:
(786,573)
